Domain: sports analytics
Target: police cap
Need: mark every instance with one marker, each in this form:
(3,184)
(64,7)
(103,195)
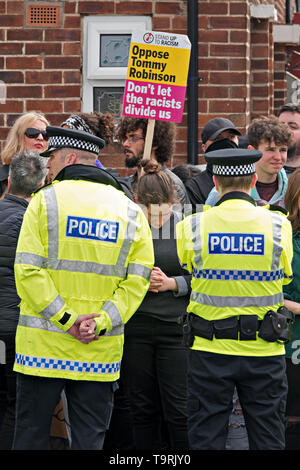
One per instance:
(60,137)
(233,162)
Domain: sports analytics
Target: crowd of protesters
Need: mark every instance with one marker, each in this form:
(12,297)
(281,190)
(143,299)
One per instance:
(149,406)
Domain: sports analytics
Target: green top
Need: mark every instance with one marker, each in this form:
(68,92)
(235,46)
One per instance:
(292,292)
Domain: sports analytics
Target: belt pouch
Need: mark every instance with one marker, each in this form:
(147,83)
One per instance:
(227,328)
(248,327)
(188,337)
(272,326)
(202,327)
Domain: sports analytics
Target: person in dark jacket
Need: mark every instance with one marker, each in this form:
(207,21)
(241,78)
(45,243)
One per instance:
(218,133)
(27,172)
(154,364)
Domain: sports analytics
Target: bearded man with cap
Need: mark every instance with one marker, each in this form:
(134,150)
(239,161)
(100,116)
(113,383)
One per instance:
(240,256)
(82,268)
(218,133)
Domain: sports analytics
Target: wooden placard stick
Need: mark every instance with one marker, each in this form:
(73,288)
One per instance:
(149,139)
(148,142)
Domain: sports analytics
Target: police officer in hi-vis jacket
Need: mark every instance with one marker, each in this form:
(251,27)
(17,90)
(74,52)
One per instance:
(82,268)
(240,257)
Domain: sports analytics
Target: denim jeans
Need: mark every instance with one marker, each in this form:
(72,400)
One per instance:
(154,370)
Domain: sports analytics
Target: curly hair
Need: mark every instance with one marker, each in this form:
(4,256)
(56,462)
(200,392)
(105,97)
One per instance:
(101,125)
(269,129)
(163,136)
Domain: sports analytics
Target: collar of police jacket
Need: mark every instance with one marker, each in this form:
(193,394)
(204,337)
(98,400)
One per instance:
(236,195)
(88,173)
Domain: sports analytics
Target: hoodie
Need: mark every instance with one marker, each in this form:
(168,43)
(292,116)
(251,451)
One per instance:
(276,199)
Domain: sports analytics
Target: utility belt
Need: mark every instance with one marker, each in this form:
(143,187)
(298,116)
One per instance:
(275,327)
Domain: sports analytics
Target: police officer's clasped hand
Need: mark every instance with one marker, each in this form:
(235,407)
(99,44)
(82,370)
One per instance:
(84,327)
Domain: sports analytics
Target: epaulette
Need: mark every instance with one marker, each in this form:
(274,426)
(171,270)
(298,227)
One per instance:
(273,207)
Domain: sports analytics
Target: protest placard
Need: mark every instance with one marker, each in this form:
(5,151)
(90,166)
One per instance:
(156,76)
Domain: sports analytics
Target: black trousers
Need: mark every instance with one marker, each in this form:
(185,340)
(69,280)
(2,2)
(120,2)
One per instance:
(7,391)
(154,370)
(89,407)
(292,435)
(262,389)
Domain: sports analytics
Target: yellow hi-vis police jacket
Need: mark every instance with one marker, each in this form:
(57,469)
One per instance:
(84,248)
(240,256)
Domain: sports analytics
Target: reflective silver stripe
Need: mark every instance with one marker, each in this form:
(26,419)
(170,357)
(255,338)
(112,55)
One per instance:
(113,313)
(219,301)
(52,222)
(71,265)
(52,309)
(39,323)
(52,262)
(130,234)
(30,258)
(43,324)
(139,270)
(277,248)
(195,227)
(89,267)
(117,331)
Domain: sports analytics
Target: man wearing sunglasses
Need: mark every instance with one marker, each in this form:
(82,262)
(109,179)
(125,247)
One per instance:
(83,266)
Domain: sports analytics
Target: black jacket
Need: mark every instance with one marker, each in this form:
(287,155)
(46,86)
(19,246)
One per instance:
(199,187)
(12,210)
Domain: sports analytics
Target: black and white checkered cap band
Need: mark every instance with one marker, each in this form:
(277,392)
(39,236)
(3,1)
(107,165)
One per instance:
(65,141)
(234,170)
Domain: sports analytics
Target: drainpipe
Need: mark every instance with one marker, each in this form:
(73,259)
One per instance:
(192,89)
(288,11)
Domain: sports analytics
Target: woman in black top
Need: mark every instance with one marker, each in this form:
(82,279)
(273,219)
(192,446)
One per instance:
(154,367)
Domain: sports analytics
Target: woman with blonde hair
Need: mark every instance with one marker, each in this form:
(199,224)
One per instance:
(28,133)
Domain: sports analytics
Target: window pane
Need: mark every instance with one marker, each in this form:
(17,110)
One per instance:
(114,50)
(108,100)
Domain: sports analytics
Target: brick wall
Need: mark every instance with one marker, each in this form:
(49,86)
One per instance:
(262,68)
(224,61)
(42,66)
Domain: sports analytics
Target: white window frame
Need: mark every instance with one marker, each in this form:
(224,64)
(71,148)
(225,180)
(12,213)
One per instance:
(93,74)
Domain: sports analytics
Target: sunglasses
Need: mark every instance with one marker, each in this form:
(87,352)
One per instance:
(33,133)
